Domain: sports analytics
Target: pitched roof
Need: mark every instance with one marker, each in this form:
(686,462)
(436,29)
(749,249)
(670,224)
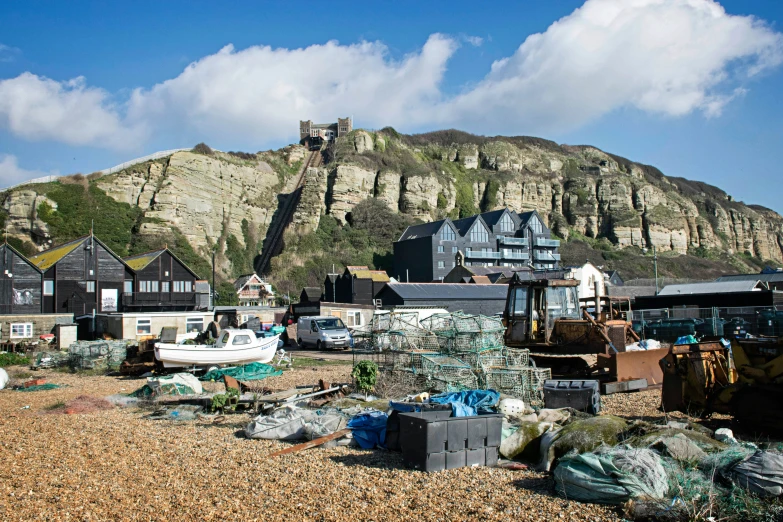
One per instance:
(714,287)
(524,217)
(379,276)
(141,261)
(244,279)
(352,269)
(20,256)
(312,293)
(442,291)
(48,258)
(492,217)
(481,280)
(767,278)
(464,224)
(422,230)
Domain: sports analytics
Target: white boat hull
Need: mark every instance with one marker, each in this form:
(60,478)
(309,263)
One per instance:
(186,355)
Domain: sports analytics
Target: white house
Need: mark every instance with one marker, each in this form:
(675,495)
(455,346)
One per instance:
(254,291)
(588,276)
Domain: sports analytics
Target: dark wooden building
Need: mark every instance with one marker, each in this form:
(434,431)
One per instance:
(160,282)
(357,285)
(21,283)
(81,277)
(470,298)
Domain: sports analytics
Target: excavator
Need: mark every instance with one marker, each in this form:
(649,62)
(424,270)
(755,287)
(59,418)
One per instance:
(587,338)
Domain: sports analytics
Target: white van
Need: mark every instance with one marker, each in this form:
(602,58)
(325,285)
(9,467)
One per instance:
(323,331)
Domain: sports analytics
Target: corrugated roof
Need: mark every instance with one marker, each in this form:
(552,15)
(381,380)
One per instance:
(379,276)
(141,261)
(767,278)
(433,291)
(715,287)
(48,258)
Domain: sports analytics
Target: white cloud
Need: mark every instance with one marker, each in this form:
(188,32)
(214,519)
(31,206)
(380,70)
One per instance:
(8,53)
(11,173)
(668,57)
(38,108)
(475,41)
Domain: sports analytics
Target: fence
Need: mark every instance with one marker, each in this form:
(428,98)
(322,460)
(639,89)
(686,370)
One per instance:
(667,324)
(104,172)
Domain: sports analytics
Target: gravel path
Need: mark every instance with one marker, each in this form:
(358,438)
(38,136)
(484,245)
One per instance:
(119,465)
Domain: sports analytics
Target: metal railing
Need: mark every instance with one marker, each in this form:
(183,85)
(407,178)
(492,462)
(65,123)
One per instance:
(543,242)
(545,256)
(476,254)
(155,298)
(515,255)
(506,240)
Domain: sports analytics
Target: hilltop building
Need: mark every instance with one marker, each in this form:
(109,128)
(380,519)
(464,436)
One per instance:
(317,133)
(504,238)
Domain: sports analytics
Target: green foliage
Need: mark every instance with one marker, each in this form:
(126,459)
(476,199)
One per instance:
(203,148)
(78,207)
(490,200)
(12,359)
(442,202)
(221,401)
(227,294)
(240,257)
(582,196)
(464,201)
(25,247)
(366,375)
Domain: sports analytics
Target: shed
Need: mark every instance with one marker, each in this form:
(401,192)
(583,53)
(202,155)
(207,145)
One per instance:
(21,283)
(470,298)
(310,294)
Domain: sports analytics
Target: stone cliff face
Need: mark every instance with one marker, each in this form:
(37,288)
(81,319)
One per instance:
(576,189)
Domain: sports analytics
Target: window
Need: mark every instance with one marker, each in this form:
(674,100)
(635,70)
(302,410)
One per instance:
(48,287)
(478,234)
(354,318)
(517,305)
(453,250)
(21,330)
(535,225)
(165,286)
(440,249)
(143,326)
(89,287)
(447,234)
(441,264)
(128,289)
(183,286)
(241,339)
(506,223)
(194,324)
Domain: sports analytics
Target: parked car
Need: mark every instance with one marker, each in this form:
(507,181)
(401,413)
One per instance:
(322,332)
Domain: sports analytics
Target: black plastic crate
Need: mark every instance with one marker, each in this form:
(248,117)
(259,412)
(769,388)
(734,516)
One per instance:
(579,395)
(434,441)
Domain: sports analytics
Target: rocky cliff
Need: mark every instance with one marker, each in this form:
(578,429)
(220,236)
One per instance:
(229,200)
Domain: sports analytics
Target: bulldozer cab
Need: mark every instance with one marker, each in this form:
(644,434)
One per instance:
(533,306)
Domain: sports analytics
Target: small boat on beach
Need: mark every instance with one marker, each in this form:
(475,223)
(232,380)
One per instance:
(233,347)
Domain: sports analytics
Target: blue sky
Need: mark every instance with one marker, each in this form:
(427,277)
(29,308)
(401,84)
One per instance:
(690,87)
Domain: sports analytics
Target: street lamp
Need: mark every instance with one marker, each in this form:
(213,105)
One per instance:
(655,264)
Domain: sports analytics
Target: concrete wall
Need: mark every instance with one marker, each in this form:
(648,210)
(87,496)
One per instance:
(124,326)
(341,310)
(42,324)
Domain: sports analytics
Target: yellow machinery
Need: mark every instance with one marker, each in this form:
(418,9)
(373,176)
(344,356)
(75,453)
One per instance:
(566,335)
(744,379)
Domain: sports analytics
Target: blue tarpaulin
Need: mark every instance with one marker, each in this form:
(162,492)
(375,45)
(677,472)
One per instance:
(468,403)
(369,429)
(686,339)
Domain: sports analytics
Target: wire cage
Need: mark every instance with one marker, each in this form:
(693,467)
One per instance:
(449,369)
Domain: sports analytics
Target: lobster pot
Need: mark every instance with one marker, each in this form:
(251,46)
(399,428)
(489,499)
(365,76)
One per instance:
(407,378)
(449,369)
(479,360)
(536,377)
(506,379)
(404,322)
(518,356)
(447,386)
(477,342)
(408,360)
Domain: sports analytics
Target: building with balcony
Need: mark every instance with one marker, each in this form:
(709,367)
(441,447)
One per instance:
(254,291)
(502,238)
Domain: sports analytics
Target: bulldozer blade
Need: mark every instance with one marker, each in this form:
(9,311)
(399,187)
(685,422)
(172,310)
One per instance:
(628,366)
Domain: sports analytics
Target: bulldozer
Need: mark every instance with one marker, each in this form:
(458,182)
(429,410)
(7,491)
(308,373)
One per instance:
(743,378)
(585,338)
